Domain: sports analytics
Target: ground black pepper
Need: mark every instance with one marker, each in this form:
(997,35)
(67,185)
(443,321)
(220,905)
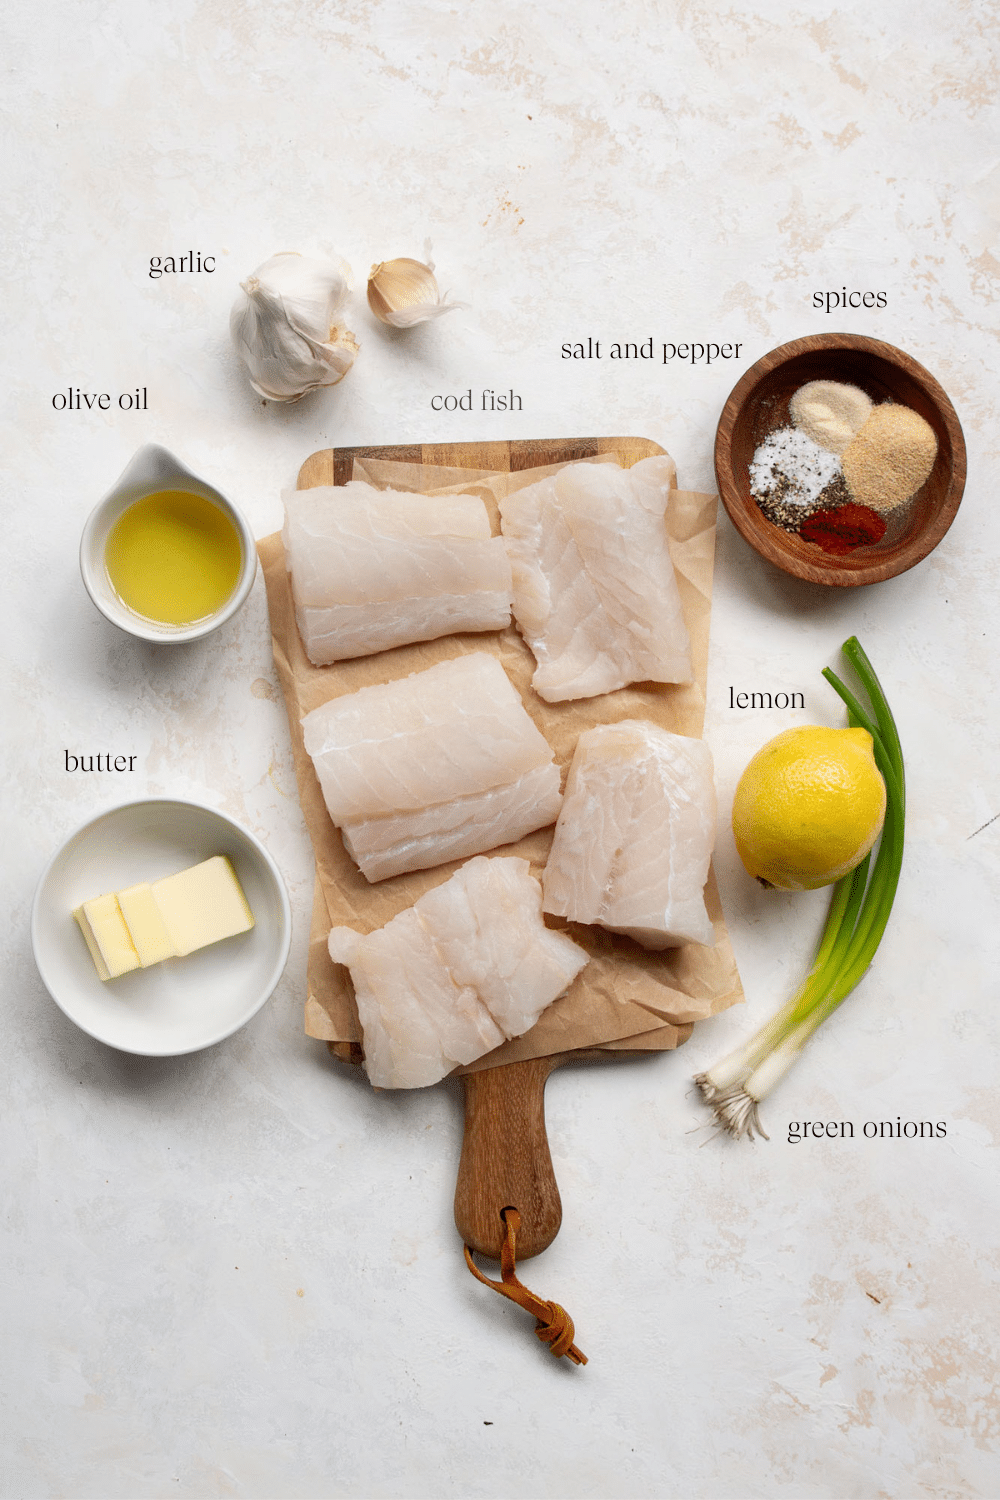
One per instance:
(791,514)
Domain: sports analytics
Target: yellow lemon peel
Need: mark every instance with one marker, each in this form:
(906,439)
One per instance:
(809,807)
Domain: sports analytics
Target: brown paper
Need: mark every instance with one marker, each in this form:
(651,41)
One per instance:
(626,997)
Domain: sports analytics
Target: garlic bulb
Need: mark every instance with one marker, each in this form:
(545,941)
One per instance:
(403,292)
(284,325)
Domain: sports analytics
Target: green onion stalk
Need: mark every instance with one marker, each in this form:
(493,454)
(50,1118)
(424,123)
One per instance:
(859,911)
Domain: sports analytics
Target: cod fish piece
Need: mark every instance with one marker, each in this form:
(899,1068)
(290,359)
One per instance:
(635,835)
(432,767)
(373,568)
(470,964)
(595,595)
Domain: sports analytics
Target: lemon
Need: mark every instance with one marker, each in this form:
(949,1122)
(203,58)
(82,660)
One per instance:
(808,807)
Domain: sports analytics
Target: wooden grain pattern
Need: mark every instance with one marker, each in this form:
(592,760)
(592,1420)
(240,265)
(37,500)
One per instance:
(336,465)
(759,404)
(506,1162)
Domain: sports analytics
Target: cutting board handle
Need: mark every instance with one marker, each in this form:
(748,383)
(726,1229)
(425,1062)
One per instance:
(505,1160)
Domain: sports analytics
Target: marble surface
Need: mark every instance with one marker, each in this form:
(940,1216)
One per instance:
(236,1273)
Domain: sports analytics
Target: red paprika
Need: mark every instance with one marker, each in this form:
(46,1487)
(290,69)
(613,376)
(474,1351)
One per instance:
(842,529)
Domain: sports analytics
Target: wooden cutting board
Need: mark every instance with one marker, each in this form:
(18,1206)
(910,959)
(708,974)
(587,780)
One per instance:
(505,1155)
(336,465)
(506,1162)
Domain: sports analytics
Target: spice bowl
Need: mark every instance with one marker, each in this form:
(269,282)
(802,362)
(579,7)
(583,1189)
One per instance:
(759,405)
(151,471)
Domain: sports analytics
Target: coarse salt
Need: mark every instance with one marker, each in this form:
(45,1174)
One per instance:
(792,456)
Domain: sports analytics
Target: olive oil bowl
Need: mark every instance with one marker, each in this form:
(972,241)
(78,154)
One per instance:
(164,555)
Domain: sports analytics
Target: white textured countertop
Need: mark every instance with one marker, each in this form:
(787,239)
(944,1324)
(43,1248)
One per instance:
(236,1273)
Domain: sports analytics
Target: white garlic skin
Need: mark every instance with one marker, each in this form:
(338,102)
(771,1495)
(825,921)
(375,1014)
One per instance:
(404,292)
(284,325)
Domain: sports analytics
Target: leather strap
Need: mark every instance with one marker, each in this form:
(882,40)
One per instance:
(554,1326)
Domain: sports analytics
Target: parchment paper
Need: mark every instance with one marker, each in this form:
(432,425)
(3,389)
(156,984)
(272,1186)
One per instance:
(626,997)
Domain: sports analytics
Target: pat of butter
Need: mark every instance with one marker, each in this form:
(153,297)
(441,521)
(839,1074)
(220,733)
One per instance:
(202,905)
(107,935)
(145,924)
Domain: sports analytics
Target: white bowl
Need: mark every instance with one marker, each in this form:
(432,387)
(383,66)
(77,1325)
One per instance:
(182,1004)
(153,469)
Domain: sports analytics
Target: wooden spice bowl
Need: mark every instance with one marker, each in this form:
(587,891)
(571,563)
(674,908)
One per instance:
(759,403)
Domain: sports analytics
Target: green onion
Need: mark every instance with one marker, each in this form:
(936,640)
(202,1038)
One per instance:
(859,912)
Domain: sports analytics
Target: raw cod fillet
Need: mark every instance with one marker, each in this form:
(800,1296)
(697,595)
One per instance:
(373,568)
(635,835)
(432,767)
(470,964)
(595,595)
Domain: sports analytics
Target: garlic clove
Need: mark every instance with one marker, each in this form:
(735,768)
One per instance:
(404,292)
(284,325)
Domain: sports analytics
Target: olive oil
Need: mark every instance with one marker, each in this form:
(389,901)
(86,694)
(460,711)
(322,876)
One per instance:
(173,557)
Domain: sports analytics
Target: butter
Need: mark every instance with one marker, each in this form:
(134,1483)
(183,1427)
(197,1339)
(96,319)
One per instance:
(202,905)
(145,924)
(171,918)
(107,936)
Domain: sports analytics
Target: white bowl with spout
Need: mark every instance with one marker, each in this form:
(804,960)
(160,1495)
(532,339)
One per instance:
(153,469)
